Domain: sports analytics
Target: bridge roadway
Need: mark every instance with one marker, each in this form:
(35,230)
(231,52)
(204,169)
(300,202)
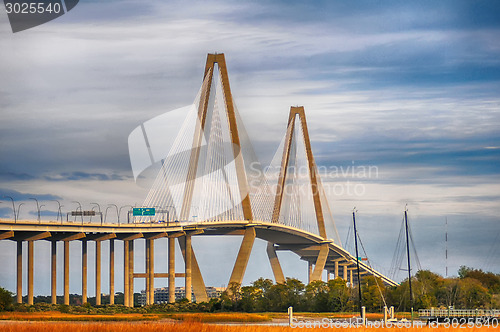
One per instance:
(320,254)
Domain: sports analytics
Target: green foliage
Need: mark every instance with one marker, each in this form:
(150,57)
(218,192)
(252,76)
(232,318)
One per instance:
(472,289)
(5,300)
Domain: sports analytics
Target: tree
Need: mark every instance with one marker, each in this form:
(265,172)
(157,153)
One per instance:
(472,294)
(372,292)
(5,299)
(316,295)
(338,295)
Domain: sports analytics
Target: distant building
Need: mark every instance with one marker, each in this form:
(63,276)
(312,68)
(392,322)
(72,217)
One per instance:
(161,294)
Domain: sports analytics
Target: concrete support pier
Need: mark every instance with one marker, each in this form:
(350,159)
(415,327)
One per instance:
(66,272)
(111,271)
(53,271)
(131,274)
(151,275)
(148,272)
(30,271)
(126,272)
(188,265)
(84,271)
(171,270)
(98,272)
(19,291)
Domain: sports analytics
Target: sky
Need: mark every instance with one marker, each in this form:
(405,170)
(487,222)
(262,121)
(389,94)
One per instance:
(410,89)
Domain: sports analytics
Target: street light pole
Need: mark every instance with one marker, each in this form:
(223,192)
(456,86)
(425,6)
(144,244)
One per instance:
(18,209)
(106,214)
(120,211)
(99,210)
(37,206)
(13,207)
(59,212)
(80,205)
(117,213)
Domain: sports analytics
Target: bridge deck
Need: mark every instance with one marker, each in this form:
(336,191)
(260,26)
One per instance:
(304,244)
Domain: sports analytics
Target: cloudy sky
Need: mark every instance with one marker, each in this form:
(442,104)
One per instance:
(409,88)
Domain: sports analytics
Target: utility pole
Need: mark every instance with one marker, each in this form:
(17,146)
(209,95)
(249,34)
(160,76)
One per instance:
(357,257)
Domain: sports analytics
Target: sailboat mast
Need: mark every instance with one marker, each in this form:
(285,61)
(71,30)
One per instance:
(446,244)
(409,265)
(357,258)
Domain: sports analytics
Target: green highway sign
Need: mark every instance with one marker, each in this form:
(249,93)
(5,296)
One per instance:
(143,211)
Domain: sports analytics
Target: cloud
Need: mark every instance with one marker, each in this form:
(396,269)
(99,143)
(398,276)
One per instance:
(79,176)
(18,196)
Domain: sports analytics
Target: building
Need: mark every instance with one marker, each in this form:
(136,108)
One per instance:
(161,294)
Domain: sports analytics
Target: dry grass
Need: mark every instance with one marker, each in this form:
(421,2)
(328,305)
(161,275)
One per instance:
(220,317)
(57,316)
(183,327)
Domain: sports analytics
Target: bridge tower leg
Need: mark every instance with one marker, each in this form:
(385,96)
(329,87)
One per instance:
(212,59)
(53,271)
(171,270)
(84,271)
(279,277)
(111,271)
(198,284)
(126,272)
(66,272)
(30,271)
(243,256)
(320,262)
(19,288)
(300,113)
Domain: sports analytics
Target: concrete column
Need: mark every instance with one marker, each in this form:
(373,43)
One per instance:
(53,272)
(350,278)
(279,277)
(126,272)
(327,275)
(344,274)
(98,272)
(30,271)
(66,272)
(19,291)
(336,270)
(310,271)
(111,271)
(84,271)
(188,261)
(152,271)
(131,274)
(148,272)
(171,270)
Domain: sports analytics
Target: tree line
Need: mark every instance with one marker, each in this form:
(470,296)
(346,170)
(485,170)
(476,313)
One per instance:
(472,289)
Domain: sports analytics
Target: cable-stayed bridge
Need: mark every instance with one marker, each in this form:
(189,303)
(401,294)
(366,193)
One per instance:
(209,183)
